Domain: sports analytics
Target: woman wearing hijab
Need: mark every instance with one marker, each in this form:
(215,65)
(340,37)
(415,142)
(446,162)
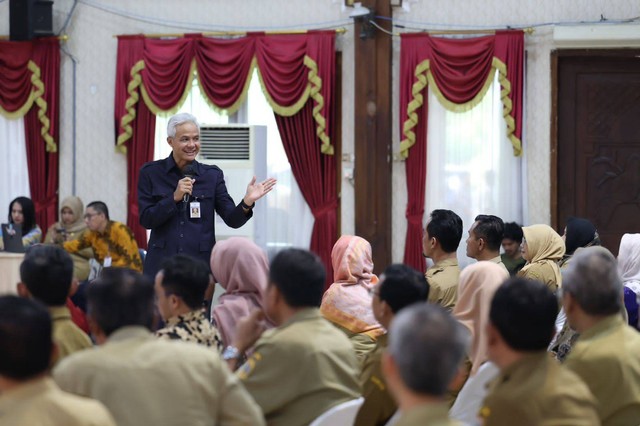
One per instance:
(629,269)
(70,226)
(578,233)
(478,283)
(542,248)
(347,302)
(22,212)
(241,268)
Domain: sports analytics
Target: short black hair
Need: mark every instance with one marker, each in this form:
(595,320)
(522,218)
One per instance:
(28,212)
(99,207)
(446,227)
(491,229)
(513,231)
(185,277)
(524,313)
(25,338)
(299,275)
(47,271)
(119,298)
(402,286)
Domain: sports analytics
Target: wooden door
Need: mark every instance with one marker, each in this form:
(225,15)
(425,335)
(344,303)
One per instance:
(597,133)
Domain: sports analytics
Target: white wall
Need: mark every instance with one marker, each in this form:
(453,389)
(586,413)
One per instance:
(101,172)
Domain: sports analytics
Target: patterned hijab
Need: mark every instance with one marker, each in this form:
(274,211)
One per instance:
(347,302)
(629,258)
(241,267)
(544,246)
(478,283)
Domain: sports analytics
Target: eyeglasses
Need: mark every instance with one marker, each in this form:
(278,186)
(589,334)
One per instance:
(88,216)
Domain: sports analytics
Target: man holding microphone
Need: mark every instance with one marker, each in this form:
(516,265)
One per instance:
(178,198)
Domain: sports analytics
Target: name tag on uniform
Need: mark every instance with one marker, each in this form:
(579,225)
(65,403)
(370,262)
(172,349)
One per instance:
(194,208)
(107,262)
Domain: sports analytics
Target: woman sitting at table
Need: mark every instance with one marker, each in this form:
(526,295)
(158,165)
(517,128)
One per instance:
(22,212)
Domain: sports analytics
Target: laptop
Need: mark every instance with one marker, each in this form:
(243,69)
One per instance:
(12,238)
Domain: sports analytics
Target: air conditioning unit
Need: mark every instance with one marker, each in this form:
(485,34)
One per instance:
(241,152)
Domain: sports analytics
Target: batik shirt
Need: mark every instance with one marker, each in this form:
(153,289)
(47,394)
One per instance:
(192,327)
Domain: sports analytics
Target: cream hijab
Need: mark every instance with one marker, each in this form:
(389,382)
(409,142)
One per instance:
(544,246)
(75,205)
(478,284)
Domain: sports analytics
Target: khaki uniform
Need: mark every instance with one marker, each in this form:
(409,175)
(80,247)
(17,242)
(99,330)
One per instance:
(537,391)
(498,260)
(607,359)
(42,403)
(144,380)
(378,406)
(301,369)
(543,273)
(428,415)
(443,280)
(67,336)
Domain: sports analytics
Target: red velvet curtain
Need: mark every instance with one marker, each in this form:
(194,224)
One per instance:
(18,83)
(287,64)
(460,68)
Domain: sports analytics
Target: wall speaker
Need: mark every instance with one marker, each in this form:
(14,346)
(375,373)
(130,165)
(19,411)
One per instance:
(30,18)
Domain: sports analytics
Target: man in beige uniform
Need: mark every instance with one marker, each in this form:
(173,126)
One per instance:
(441,239)
(399,287)
(305,365)
(46,274)
(426,347)
(485,238)
(144,380)
(532,389)
(27,395)
(607,353)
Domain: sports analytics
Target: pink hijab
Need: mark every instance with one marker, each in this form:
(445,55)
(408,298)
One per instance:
(478,284)
(241,268)
(347,302)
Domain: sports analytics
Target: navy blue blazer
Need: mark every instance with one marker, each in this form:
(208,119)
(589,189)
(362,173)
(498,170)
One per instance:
(172,229)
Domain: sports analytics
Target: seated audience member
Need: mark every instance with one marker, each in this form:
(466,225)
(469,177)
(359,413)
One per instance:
(607,354)
(180,286)
(542,247)
(46,274)
(241,268)
(347,303)
(478,284)
(112,242)
(28,396)
(426,347)
(144,380)
(511,240)
(70,227)
(441,240)
(22,212)
(531,389)
(399,286)
(629,269)
(305,365)
(485,237)
(578,233)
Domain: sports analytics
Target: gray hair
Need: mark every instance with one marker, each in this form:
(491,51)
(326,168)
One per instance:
(427,345)
(592,279)
(178,119)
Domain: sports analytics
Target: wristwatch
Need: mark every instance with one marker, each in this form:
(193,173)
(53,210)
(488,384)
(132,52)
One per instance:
(230,352)
(245,206)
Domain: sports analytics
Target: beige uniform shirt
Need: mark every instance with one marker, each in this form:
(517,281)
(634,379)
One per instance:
(301,369)
(443,280)
(68,337)
(144,380)
(537,391)
(379,405)
(42,403)
(607,359)
(499,261)
(428,415)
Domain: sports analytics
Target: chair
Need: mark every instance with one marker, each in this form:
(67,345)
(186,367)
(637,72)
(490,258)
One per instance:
(341,415)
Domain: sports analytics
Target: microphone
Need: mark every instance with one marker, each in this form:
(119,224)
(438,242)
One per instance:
(188,172)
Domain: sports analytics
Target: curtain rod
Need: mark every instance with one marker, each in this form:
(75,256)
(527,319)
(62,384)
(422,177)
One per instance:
(63,37)
(528,30)
(232,33)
